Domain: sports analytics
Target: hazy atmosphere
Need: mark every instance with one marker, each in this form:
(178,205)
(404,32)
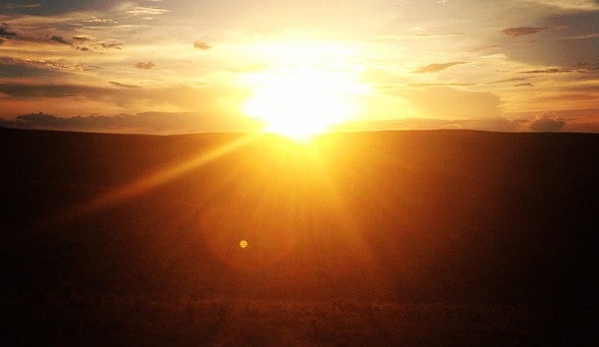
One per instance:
(178,66)
(356,173)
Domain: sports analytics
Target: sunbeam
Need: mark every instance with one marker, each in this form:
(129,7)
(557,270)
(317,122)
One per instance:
(145,184)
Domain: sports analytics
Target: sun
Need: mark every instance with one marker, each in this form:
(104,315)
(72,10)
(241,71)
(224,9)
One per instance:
(303,99)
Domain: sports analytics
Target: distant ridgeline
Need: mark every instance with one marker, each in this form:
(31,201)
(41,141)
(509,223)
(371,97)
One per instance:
(426,216)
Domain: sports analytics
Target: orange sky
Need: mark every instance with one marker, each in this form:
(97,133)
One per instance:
(176,66)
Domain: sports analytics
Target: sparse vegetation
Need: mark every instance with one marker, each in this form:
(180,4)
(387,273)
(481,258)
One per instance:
(146,321)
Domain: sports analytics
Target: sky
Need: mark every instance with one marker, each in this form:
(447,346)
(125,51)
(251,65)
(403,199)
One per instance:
(178,66)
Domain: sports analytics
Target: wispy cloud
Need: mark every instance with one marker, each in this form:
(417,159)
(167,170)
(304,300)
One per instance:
(520,31)
(60,40)
(145,66)
(579,68)
(201,45)
(122,85)
(80,97)
(113,45)
(571,4)
(81,38)
(148,122)
(72,57)
(15,6)
(507,80)
(437,67)
(4,33)
(146,11)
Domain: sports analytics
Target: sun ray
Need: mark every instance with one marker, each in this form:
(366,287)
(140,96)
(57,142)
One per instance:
(145,184)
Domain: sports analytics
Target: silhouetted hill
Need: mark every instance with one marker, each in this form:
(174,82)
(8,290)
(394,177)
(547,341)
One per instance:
(429,216)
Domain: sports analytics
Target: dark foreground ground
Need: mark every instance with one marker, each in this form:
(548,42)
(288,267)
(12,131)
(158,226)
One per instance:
(394,238)
(141,321)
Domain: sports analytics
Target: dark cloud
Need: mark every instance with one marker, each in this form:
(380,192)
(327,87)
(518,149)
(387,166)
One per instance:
(81,38)
(145,66)
(546,123)
(575,120)
(59,39)
(425,85)
(580,68)
(122,85)
(553,70)
(523,85)
(5,33)
(53,7)
(16,68)
(516,79)
(437,67)
(149,123)
(114,45)
(13,67)
(42,119)
(573,24)
(519,31)
(201,45)
(19,6)
(20,90)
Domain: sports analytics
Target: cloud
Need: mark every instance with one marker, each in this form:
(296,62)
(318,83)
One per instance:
(546,71)
(82,38)
(423,85)
(580,68)
(147,123)
(437,67)
(19,6)
(145,66)
(113,45)
(146,11)
(123,85)
(546,123)
(5,33)
(451,103)
(519,31)
(76,98)
(572,4)
(515,79)
(574,120)
(93,21)
(201,45)
(22,90)
(14,67)
(60,40)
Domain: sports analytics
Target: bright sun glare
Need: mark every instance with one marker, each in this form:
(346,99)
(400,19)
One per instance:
(306,96)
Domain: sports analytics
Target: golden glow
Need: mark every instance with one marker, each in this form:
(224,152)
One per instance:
(144,184)
(308,90)
(243,244)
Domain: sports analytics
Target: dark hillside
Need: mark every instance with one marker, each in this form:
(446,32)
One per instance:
(452,216)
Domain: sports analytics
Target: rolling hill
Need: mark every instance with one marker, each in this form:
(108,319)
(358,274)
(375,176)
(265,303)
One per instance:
(462,217)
